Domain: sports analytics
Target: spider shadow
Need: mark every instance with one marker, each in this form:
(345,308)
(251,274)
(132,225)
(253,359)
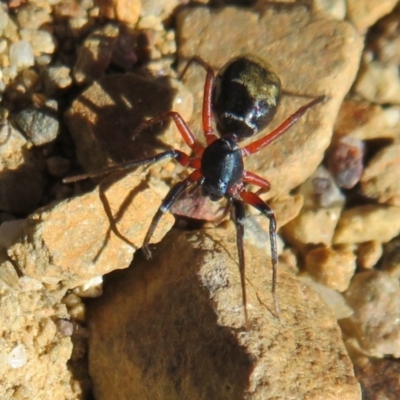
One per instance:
(255,287)
(125,103)
(114,219)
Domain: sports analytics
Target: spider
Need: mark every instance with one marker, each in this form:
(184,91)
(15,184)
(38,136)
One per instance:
(243,97)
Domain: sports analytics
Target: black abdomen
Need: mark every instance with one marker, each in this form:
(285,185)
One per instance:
(246,95)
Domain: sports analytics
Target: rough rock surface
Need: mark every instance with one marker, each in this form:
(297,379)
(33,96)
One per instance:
(366,121)
(73,241)
(379,83)
(369,253)
(374,297)
(365,13)
(317,219)
(125,11)
(381,176)
(33,350)
(312,54)
(173,328)
(354,224)
(333,268)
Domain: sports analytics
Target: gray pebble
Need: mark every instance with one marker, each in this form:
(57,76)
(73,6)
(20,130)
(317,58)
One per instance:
(40,126)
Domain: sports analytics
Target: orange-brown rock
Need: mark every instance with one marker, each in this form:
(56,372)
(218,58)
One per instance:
(312,54)
(74,240)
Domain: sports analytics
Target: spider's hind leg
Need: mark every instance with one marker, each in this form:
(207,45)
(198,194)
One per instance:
(238,217)
(255,201)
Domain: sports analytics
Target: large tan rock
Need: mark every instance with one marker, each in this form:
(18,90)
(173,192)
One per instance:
(173,328)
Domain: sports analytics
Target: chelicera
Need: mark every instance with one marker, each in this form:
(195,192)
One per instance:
(243,97)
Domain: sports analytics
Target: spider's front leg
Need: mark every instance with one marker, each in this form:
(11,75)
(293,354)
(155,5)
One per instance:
(281,129)
(166,204)
(207,112)
(178,155)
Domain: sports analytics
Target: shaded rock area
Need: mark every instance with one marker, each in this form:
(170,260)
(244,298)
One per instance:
(311,53)
(175,330)
(103,120)
(90,235)
(379,378)
(22,180)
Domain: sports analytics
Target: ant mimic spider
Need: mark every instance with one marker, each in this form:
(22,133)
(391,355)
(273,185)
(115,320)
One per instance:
(244,97)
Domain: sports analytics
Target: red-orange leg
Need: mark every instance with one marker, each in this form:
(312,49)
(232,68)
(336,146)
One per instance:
(281,129)
(255,201)
(207,98)
(182,126)
(250,177)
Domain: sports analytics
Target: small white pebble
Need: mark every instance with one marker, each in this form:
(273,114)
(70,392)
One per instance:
(43,60)
(392,115)
(3,45)
(78,312)
(21,55)
(17,357)
(71,300)
(92,288)
(9,74)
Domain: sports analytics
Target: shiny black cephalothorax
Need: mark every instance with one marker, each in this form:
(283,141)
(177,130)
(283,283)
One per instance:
(243,98)
(222,168)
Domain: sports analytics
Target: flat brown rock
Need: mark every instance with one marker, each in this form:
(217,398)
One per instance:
(312,55)
(72,241)
(380,180)
(366,223)
(173,328)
